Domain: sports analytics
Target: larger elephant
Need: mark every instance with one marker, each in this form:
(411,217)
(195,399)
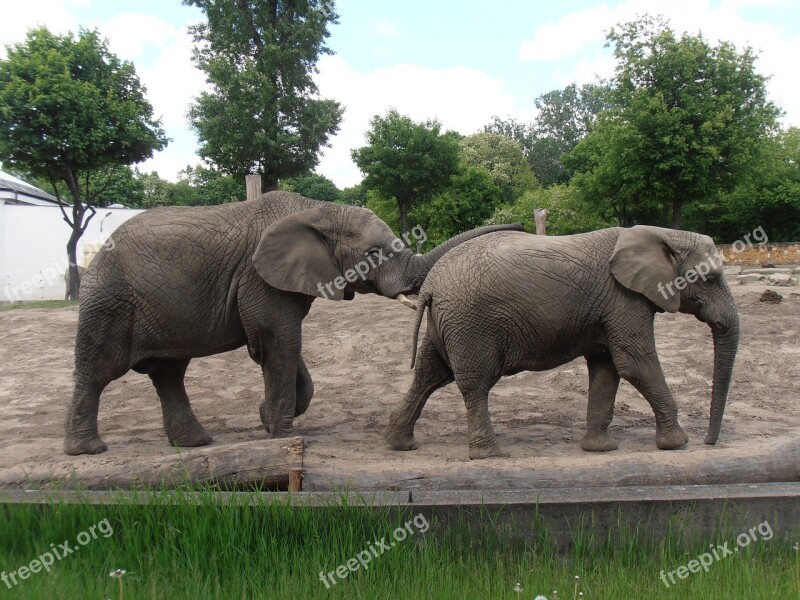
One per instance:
(511,302)
(180,283)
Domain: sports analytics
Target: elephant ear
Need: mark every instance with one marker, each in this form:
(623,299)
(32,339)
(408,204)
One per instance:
(642,261)
(295,256)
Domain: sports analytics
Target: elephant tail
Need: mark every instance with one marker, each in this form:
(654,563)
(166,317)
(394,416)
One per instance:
(423,301)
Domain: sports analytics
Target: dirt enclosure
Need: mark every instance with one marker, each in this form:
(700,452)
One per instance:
(358,354)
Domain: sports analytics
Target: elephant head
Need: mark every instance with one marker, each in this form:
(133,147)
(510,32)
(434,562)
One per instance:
(682,271)
(333,251)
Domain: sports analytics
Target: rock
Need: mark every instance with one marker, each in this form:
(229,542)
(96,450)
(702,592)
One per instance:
(747,279)
(782,279)
(766,271)
(771,296)
(767,265)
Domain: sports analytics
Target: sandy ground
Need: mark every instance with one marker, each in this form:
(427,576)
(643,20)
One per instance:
(358,354)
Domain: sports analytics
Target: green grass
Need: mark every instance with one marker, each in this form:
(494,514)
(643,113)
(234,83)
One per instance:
(38,304)
(268,550)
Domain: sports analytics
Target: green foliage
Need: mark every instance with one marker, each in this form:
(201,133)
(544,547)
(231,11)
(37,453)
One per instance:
(261,114)
(68,106)
(471,199)
(568,211)
(502,159)
(407,161)
(210,186)
(768,197)
(564,118)
(686,121)
(354,196)
(313,186)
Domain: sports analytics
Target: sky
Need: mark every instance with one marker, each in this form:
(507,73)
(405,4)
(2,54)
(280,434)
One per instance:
(459,61)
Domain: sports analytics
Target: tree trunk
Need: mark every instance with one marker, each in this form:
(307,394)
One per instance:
(403,218)
(78,225)
(677,203)
(253,186)
(540,216)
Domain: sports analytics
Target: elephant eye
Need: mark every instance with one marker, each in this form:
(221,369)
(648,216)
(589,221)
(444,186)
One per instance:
(374,251)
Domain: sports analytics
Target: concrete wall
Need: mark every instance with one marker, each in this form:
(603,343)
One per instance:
(33,248)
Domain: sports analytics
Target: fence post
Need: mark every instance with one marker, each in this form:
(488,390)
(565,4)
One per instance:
(540,216)
(253,185)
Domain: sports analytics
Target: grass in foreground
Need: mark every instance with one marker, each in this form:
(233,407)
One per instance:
(216,550)
(38,304)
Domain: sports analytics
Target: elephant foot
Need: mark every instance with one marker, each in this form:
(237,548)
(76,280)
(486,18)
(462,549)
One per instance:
(489,451)
(671,438)
(598,442)
(74,446)
(400,441)
(189,436)
(280,433)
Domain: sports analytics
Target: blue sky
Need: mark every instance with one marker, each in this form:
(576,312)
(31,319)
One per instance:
(458,61)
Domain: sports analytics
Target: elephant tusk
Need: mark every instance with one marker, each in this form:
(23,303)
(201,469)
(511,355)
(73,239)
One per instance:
(404,299)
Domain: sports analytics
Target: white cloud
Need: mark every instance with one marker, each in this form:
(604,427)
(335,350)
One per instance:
(462,99)
(582,32)
(19,17)
(386,29)
(129,34)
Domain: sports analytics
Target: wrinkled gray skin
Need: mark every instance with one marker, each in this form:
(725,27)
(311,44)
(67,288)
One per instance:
(511,302)
(180,283)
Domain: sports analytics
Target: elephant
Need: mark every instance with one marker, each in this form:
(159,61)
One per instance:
(186,282)
(67,279)
(510,302)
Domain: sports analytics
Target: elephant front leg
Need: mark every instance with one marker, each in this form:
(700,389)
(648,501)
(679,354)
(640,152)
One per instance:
(482,439)
(279,365)
(645,374)
(430,374)
(304,389)
(603,385)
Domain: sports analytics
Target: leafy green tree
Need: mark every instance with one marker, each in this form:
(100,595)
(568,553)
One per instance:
(212,186)
(768,197)
(502,159)
(68,108)
(313,186)
(470,199)
(262,114)
(410,162)
(354,196)
(692,117)
(155,191)
(568,211)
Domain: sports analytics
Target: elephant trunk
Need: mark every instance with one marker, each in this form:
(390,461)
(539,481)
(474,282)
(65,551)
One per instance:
(726,342)
(422,264)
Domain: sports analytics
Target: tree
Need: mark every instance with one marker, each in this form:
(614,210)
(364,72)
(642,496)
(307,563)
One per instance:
(470,199)
(407,161)
(262,114)
(354,196)
(68,108)
(687,118)
(502,159)
(313,186)
(211,186)
(564,118)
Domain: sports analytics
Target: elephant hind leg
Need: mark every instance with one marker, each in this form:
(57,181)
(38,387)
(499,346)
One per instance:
(80,424)
(180,423)
(603,385)
(430,374)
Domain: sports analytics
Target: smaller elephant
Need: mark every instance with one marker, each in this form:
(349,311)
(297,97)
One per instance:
(510,302)
(81,271)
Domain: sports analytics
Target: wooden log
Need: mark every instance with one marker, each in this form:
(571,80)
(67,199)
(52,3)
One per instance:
(295,480)
(253,184)
(263,464)
(777,461)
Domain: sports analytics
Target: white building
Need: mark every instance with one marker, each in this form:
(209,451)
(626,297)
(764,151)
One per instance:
(33,240)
